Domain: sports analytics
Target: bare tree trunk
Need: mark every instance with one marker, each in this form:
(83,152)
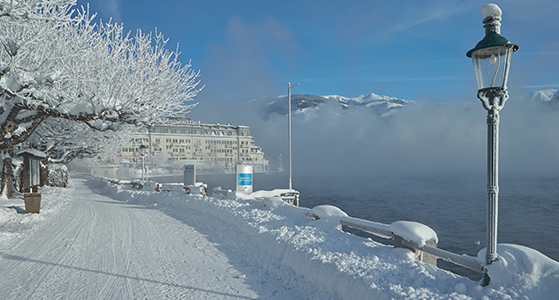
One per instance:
(7,176)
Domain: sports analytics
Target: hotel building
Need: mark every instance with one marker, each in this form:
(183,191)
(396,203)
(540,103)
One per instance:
(216,145)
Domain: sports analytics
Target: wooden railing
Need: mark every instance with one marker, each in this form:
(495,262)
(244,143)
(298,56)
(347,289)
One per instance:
(428,253)
(382,230)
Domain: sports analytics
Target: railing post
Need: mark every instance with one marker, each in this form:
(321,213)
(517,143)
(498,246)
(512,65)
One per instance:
(400,242)
(429,258)
(410,235)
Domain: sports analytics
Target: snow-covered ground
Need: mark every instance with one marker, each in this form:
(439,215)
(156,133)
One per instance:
(98,241)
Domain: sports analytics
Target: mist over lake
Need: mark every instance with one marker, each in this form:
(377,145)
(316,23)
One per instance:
(424,162)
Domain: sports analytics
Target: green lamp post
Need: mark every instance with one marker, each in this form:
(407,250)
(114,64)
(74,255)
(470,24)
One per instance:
(492,57)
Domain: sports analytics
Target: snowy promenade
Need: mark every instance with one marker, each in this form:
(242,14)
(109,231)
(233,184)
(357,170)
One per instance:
(103,241)
(98,248)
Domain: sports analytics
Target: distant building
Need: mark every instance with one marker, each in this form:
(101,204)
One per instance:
(110,171)
(183,139)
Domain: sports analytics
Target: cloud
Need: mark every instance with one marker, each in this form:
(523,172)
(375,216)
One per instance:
(422,13)
(246,63)
(543,86)
(380,21)
(422,139)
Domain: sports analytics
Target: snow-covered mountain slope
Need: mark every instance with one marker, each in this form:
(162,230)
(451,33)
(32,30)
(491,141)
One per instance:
(381,105)
(549,95)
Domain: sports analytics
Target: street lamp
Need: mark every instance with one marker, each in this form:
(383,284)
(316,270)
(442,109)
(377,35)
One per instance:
(289,87)
(99,166)
(492,57)
(143,156)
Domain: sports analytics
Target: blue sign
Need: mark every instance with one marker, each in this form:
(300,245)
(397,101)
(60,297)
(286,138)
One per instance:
(244,179)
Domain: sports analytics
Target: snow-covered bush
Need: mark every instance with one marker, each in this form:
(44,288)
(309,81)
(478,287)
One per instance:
(58,175)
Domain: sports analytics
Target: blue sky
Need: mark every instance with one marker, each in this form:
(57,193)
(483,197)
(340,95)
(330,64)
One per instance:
(413,50)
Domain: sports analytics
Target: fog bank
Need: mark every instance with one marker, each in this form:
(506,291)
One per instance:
(421,139)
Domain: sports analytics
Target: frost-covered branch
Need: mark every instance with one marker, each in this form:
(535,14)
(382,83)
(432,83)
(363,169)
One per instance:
(56,62)
(64,140)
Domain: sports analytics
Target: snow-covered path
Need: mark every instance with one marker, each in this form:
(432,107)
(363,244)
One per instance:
(99,240)
(100,248)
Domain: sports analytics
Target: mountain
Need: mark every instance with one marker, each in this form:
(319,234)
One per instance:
(299,103)
(381,105)
(549,95)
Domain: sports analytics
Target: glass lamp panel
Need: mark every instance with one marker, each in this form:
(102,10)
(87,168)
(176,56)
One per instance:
(491,66)
(34,172)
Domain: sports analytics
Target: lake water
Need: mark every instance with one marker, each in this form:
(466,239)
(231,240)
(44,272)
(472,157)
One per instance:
(454,208)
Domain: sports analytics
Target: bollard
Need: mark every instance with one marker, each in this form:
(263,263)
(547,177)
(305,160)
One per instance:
(189,175)
(244,179)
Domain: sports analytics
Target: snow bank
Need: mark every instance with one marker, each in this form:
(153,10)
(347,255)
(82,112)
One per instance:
(414,232)
(329,263)
(14,223)
(328,212)
(313,255)
(329,215)
(265,194)
(532,274)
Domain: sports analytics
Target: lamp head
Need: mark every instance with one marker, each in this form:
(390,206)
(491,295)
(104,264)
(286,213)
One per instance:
(493,54)
(143,149)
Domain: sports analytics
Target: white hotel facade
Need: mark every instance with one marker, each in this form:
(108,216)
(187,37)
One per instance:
(222,146)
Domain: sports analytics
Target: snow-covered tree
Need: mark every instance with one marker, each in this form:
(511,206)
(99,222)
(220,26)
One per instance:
(64,140)
(56,62)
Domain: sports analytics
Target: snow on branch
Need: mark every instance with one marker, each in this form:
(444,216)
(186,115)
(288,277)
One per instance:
(64,140)
(57,62)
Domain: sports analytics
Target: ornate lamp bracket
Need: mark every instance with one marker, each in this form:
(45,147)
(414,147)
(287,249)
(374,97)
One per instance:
(493,98)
